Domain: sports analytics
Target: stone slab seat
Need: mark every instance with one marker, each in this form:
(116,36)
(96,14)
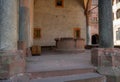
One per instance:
(89,77)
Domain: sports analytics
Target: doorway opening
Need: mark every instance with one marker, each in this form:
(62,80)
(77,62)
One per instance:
(95,39)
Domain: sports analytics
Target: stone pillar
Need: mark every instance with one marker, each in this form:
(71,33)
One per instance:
(8,24)
(23,25)
(23,20)
(12,63)
(106,58)
(105,24)
(88,42)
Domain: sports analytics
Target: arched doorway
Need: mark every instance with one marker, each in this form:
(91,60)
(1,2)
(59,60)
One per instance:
(95,39)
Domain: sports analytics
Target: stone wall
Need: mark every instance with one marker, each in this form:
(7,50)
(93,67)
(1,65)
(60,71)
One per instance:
(57,22)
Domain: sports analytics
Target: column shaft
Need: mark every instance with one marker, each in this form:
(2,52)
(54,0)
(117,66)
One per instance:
(105,24)
(8,24)
(24,21)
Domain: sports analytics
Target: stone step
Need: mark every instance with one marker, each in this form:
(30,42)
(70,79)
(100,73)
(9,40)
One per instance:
(45,74)
(88,77)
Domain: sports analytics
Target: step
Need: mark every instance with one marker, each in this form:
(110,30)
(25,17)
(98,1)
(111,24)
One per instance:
(45,74)
(88,77)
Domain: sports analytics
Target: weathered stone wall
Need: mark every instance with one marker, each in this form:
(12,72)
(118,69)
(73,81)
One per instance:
(56,22)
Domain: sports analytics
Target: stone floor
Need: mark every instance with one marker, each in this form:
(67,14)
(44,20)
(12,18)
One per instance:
(49,61)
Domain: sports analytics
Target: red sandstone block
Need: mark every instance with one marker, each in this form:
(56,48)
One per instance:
(112,73)
(22,46)
(113,78)
(12,63)
(105,57)
(95,55)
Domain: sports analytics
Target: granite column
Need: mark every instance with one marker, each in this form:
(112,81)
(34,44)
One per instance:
(105,24)
(8,24)
(23,25)
(106,58)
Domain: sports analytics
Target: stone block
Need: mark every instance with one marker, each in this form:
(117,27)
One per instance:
(112,73)
(80,44)
(113,78)
(106,57)
(18,78)
(11,63)
(22,46)
(95,54)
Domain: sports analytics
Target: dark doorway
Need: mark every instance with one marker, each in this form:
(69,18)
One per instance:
(95,39)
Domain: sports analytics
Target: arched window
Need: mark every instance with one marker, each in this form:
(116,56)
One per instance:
(118,14)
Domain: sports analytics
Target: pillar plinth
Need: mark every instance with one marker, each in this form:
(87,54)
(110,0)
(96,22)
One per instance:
(12,63)
(105,57)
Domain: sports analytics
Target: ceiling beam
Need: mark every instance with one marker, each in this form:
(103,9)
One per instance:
(87,4)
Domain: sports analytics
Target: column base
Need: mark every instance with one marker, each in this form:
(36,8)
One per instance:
(112,73)
(22,46)
(11,63)
(17,78)
(107,61)
(105,57)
